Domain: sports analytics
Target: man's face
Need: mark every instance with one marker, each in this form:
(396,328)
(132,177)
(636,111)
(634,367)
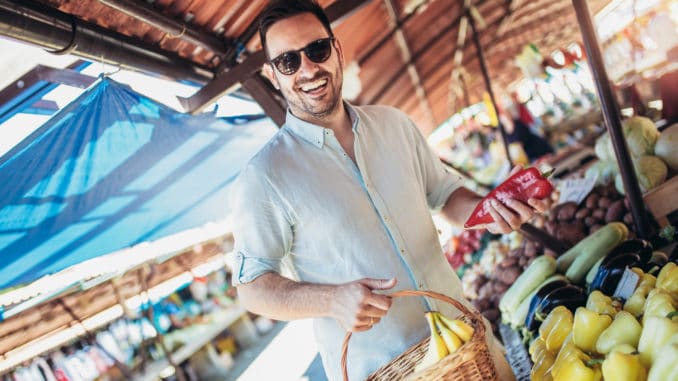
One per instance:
(313,91)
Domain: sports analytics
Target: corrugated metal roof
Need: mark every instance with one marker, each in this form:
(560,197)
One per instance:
(368,37)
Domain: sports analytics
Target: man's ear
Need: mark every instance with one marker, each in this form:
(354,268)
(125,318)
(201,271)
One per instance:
(267,70)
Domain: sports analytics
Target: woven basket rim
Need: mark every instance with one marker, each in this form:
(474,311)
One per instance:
(477,344)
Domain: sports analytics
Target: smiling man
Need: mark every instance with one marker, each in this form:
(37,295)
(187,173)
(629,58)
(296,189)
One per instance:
(340,202)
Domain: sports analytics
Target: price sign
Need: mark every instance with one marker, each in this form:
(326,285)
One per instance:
(576,190)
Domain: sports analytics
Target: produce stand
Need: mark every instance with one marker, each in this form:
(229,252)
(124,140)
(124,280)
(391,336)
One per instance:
(200,335)
(663,200)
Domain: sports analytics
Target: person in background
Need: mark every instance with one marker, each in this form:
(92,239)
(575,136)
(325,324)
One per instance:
(518,131)
(336,208)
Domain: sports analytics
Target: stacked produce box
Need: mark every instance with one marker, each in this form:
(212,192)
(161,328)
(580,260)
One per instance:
(604,310)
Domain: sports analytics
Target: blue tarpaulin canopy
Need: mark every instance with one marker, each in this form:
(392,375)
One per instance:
(111,170)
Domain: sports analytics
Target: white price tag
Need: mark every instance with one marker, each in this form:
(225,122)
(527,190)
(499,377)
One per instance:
(627,284)
(576,189)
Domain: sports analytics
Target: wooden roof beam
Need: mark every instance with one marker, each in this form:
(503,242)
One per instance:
(406,54)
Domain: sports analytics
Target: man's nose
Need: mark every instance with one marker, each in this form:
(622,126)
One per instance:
(308,68)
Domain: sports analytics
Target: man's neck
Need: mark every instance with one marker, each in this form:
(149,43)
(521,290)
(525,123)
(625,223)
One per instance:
(339,121)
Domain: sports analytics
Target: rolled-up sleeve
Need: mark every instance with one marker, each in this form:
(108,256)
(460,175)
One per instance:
(438,181)
(261,227)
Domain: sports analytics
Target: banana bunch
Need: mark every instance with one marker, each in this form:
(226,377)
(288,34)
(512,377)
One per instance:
(447,336)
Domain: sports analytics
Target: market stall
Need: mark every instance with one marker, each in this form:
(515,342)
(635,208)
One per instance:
(216,45)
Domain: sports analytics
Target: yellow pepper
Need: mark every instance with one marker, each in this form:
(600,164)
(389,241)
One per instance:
(619,366)
(600,303)
(571,365)
(645,278)
(588,325)
(624,329)
(668,278)
(536,349)
(624,348)
(636,302)
(657,331)
(664,367)
(659,303)
(541,371)
(556,327)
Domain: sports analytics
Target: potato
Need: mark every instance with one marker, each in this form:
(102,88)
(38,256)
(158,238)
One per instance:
(567,211)
(628,218)
(491,314)
(499,286)
(604,202)
(486,291)
(482,304)
(571,233)
(508,262)
(592,200)
(551,227)
(615,212)
(599,214)
(582,213)
(531,251)
(508,275)
(590,221)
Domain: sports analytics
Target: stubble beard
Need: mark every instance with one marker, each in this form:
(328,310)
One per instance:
(302,106)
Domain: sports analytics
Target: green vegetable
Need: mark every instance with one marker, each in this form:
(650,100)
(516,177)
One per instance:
(606,170)
(577,261)
(604,149)
(650,170)
(641,135)
(540,269)
(666,145)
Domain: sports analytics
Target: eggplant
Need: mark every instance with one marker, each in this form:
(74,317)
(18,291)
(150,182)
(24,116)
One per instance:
(639,246)
(532,324)
(610,273)
(569,296)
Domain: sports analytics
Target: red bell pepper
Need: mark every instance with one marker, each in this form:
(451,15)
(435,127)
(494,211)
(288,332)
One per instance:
(523,185)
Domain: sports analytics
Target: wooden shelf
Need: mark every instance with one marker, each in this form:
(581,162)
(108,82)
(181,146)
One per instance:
(204,333)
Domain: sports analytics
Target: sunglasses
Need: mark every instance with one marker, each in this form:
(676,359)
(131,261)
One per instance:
(317,51)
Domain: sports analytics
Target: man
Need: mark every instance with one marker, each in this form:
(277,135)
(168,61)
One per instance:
(341,198)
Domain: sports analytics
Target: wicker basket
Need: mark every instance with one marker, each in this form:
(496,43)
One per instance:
(471,362)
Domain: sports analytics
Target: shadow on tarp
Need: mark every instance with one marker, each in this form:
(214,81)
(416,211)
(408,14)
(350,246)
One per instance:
(111,170)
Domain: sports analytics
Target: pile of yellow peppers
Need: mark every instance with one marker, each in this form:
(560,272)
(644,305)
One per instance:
(608,340)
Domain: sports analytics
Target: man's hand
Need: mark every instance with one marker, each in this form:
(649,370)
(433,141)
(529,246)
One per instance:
(509,217)
(357,308)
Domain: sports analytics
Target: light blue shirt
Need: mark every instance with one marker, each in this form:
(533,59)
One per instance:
(303,205)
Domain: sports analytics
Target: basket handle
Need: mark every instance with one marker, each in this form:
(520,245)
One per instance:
(478,329)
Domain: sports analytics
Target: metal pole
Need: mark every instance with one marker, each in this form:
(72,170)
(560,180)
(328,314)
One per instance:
(46,27)
(147,14)
(612,118)
(488,84)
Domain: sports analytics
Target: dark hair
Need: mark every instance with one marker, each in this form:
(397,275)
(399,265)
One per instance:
(281,9)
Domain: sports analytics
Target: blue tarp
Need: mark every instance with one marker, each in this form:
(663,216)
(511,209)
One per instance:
(111,170)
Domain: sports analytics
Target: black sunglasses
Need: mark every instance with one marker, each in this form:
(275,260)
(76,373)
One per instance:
(317,51)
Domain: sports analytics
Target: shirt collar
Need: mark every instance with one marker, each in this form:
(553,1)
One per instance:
(313,133)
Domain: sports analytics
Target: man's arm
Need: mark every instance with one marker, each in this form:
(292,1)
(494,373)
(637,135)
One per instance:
(353,304)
